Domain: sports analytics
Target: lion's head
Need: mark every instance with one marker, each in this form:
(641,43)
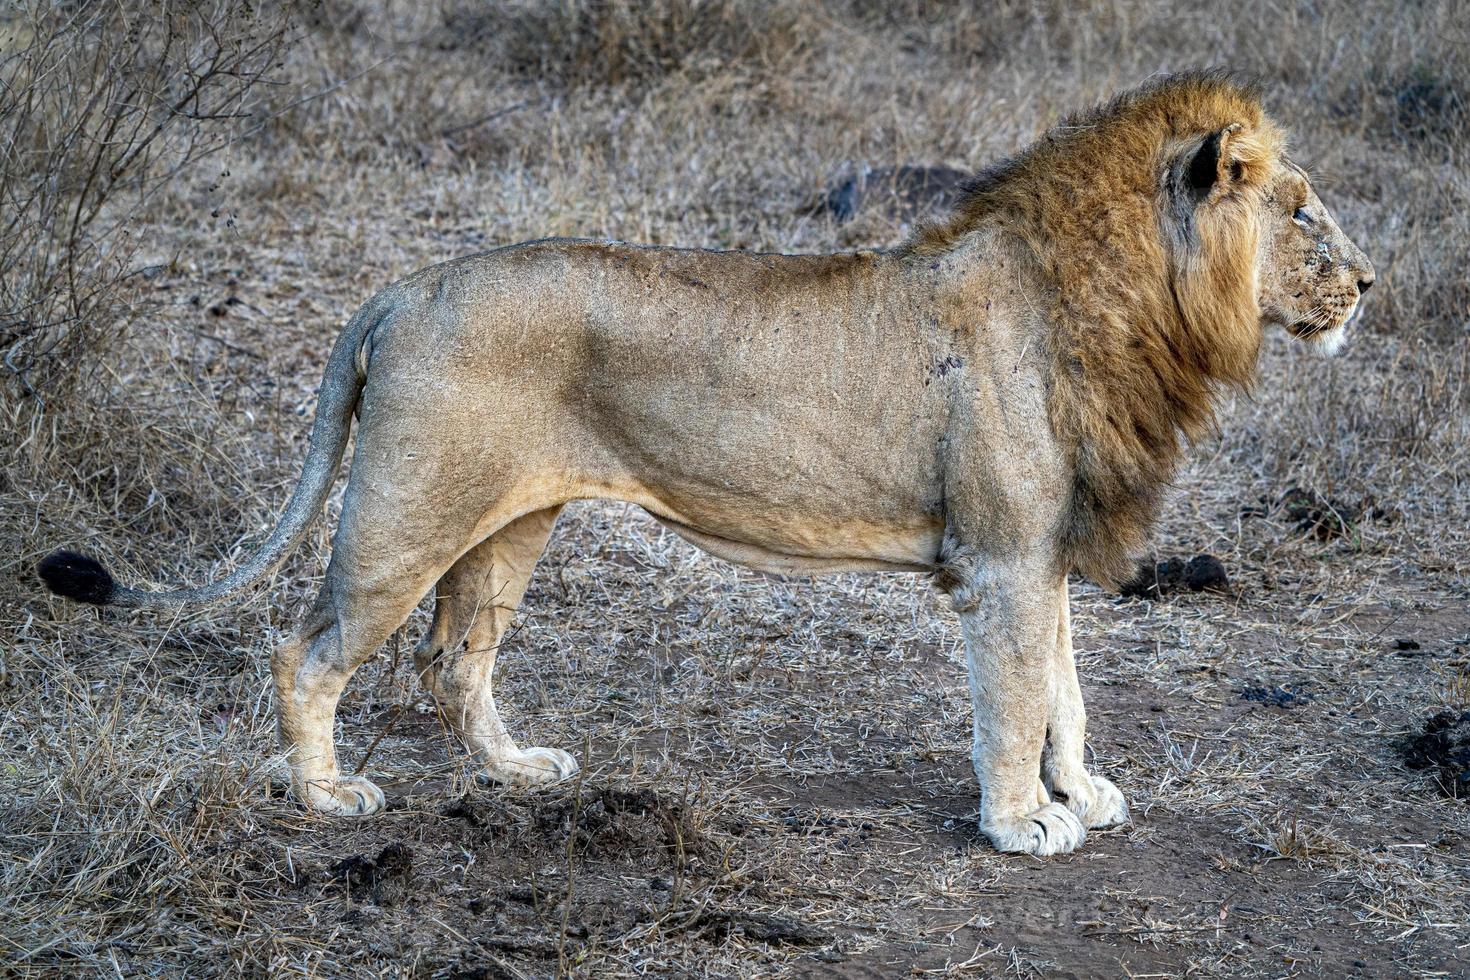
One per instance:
(1233,202)
(1311,276)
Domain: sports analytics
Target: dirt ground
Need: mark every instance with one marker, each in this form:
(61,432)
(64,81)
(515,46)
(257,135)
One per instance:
(794,796)
(775,772)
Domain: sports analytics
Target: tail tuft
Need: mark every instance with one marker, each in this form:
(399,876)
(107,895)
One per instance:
(77,577)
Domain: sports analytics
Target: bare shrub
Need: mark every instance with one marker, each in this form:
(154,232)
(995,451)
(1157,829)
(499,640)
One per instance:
(104,103)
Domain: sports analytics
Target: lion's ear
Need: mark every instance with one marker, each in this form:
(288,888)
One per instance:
(1213,165)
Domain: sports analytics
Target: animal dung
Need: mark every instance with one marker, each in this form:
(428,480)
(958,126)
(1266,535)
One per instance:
(1444,748)
(381,879)
(1157,579)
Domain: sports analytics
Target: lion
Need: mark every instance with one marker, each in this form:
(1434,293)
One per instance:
(995,404)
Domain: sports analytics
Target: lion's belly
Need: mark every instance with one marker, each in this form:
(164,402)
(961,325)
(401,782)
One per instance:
(745,529)
(817,550)
(801,502)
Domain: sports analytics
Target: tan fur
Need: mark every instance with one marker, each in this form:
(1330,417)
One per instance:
(997,403)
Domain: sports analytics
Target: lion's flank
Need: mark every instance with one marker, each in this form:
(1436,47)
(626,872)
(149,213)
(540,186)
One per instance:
(1141,216)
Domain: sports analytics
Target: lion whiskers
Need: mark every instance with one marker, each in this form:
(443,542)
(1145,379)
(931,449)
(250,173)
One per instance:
(1326,332)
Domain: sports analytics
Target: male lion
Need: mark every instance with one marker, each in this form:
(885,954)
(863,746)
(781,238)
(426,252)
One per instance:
(995,404)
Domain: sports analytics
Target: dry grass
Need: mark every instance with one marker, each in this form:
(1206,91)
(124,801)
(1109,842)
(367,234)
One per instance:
(776,777)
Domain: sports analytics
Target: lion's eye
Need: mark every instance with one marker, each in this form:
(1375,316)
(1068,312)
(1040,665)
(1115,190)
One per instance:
(1301,217)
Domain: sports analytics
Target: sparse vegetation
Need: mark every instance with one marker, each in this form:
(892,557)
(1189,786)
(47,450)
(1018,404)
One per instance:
(196,196)
(105,104)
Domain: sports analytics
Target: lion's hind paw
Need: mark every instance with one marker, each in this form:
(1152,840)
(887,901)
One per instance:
(532,767)
(1107,808)
(344,796)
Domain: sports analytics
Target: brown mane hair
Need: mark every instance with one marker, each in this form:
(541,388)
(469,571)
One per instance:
(1154,298)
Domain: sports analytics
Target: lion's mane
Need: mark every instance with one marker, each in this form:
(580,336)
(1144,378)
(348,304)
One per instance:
(1153,311)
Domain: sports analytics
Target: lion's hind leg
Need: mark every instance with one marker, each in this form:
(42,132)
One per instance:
(310,673)
(473,606)
(1094,799)
(376,576)
(352,616)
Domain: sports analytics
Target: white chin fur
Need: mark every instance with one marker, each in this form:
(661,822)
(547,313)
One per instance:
(1329,342)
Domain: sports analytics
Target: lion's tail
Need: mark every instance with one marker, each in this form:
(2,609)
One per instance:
(83,579)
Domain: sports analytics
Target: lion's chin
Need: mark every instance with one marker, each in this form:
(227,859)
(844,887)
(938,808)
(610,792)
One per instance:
(1328,342)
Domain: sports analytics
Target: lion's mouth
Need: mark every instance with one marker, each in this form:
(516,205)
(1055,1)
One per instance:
(1306,329)
(1315,328)
(1325,338)
(1325,324)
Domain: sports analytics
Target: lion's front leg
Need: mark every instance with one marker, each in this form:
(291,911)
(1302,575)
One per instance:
(1095,800)
(1008,615)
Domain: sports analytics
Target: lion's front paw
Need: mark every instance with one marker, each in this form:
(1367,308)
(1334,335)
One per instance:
(1108,808)
(1051,829)
(1095,800)
(531,767)
(344,796)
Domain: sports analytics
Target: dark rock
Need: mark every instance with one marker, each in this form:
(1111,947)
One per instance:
(1278,697)
(901,192)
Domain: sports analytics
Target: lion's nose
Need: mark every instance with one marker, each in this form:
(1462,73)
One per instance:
(1365,283)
